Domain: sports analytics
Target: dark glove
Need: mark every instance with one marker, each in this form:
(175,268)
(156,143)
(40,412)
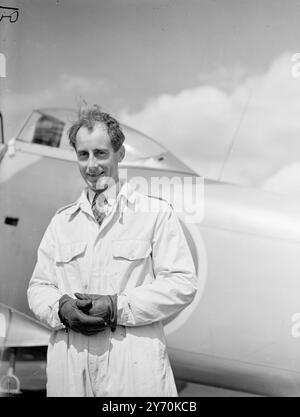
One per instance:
(104,306)
(71,314)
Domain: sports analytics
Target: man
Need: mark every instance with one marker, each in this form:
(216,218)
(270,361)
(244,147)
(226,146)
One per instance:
(109,270)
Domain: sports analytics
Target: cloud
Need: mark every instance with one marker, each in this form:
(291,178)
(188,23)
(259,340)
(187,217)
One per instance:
(224,78)
(192,123)
(260,113)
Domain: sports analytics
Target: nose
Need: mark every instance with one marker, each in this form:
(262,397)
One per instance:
(92,162)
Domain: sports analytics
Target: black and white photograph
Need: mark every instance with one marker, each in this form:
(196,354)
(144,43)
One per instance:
(149,200)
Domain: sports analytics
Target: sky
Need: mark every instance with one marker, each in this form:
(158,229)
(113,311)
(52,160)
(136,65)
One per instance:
(197,75)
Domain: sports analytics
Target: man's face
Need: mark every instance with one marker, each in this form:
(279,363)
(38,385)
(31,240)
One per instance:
(98,163)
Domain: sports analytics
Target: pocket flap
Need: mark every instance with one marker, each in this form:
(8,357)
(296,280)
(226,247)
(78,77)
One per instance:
(131,249)
(69,251)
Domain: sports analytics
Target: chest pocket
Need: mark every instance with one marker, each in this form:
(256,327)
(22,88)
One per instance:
(131,249)
(66,253)
(69,265)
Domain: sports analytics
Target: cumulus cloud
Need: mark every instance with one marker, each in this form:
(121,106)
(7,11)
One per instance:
(260,113)
(224,78)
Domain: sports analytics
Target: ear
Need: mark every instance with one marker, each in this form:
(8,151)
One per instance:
(121,153)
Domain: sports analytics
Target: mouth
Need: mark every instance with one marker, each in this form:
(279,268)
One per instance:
(94,177)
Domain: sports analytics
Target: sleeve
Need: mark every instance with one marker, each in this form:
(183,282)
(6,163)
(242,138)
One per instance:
(174,286)
(43,293)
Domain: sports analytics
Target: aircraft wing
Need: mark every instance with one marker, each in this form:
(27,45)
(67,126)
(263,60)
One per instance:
(18,329)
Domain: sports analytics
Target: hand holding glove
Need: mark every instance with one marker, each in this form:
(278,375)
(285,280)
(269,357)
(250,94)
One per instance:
(71,314)
(102,306)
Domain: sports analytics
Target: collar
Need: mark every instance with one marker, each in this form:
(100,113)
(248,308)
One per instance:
(111,193)
(127,192)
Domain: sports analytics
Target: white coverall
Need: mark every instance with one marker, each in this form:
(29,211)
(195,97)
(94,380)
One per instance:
(138,252)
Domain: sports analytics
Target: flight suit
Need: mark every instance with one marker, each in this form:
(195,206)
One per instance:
(138,252)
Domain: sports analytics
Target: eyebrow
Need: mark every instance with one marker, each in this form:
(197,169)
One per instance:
(94,150)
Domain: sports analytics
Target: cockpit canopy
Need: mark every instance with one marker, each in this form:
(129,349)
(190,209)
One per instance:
(49,127)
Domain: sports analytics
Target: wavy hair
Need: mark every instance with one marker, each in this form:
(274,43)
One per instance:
(88,117)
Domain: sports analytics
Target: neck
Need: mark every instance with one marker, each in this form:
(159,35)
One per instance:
(112,193)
